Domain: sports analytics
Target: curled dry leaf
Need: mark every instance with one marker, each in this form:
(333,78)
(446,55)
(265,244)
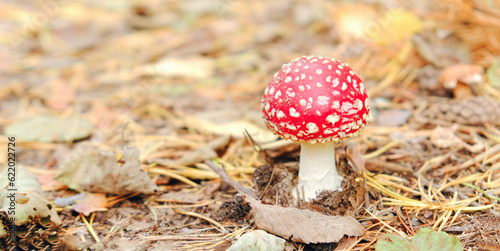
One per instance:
(302,225)
(93,170)
(468,74)
(29,197)
(33,215)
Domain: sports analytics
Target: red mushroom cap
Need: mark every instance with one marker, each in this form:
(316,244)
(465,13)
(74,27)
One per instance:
(315,99)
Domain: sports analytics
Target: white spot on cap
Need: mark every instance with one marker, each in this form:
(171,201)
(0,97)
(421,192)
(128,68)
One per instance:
(329,79)
(340,66)
(312,128)
(306,67)
(336,105)
(329,67)
(267,107)
(309,104)
(347,108)
(294,113)
(338,72)
(303,102)
(336,93)
(291,127)
(278,94)
(326,61)
(349,79)
(319,71)
(335,83)
(290,93)
(288,79)
(323,100)
(271,90)
(301,87)
(310,77)
(302,76)
(318,113)
(308,87)
(333,118)
(288,70)
(296,70)
(351,72)
(319,84)
(280,114)
(358,104)
(344,86)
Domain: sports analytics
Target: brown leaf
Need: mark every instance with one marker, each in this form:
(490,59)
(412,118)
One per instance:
(303,225)
(468,74)
(91,203)
(93,170)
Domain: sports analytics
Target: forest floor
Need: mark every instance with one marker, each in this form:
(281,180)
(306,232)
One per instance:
(121,110)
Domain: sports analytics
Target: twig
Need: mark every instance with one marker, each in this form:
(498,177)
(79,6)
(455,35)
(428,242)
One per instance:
(90,228)
(202,217)
(225,177)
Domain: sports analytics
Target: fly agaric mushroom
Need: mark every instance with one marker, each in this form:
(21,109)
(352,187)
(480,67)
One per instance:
(317,101)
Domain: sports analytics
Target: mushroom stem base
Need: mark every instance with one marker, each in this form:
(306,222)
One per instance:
(317,170)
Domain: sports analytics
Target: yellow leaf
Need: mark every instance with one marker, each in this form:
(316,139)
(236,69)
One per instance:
(394,26)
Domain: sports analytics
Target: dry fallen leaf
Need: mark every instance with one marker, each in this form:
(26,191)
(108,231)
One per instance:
(302,225)
(469,74)
(25,212)
(45,128)
(93,170)
(395,25)
(29,197)
(92,202)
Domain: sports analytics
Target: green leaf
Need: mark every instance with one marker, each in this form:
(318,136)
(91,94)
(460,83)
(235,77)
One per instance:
(50,129)
(493,73)
(258,240)
(424,240)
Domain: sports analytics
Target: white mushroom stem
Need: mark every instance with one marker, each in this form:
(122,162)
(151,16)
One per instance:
(317,170)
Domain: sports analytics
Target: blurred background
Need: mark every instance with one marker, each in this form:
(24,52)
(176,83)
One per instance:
(140,58)
(170,77)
